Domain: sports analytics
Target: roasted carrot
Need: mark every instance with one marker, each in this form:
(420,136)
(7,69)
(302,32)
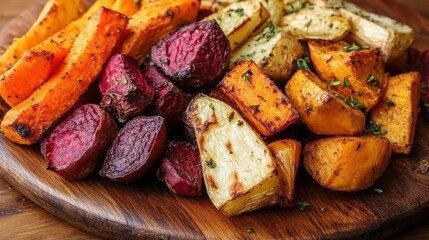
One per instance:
(153,21)
(28,121)
(30,72)
(55,15)
(258,98)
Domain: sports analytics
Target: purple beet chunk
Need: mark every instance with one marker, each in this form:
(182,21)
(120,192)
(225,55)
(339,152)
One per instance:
(169,101)
(136,149)
(78,145)
(181,168)
(194,57)
(125,92)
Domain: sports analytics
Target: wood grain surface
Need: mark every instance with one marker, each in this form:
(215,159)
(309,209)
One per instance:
(147,208)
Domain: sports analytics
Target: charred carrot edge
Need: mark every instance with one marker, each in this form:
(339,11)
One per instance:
(28,121)
(258,98)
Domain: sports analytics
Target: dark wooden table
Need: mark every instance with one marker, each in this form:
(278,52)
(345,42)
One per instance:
(22,219)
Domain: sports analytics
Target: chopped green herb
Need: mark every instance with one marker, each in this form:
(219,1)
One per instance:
(335,82)
(331,25)
(294,9)
(390,103)
(349,48)
(123,81)
(218,18)
(359,13)
(375,129)
(302,63)
(347,82)
(250,230)
(269,32)
(308,24)
(211,163)
(372,80)
(354,103)
(211,106)
(377,190)
(186,23)
(333,7)
(303,206)
(360,94)
(246,75)
(239,11)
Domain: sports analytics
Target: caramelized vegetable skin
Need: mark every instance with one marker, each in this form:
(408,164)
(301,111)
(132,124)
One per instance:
(27,122)
(258,98)
(55,15)
(322,109)
(396,113)
(359,73)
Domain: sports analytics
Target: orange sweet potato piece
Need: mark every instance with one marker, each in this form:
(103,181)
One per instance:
(30,72)
(28,121)
(153,21)
(260,101)
(55,15)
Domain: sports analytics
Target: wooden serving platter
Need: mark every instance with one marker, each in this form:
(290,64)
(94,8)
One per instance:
(147,209)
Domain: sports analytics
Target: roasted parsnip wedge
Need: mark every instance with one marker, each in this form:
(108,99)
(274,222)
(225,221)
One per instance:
(239,20)
(395,116)
(239,171)
(321,108)
(272,50)
(316,23)
(347,163)
(369,29)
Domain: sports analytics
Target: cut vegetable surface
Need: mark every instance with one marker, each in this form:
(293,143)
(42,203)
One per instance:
(239,171)
(28,121)
(347,163)
(78,145)
(258,98)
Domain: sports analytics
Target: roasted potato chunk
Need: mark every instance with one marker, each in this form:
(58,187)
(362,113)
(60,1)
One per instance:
(352,70)
(321,108)
(239,171)
(258,98)
(369,29)
(239,20)
(315,23)
(396,113)
(287,154)
(272,50)
(347,163)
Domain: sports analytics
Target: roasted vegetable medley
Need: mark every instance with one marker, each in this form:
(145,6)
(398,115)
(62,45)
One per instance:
(220,97)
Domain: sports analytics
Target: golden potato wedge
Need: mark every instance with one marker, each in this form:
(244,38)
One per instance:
(258,98)
(352,70)
(347,163)
(396,113)
(287,154)
(272,50)
(55,15)
(153,21)
(239,171)
(239,20)
(369,29)
(322,109)
(315,23)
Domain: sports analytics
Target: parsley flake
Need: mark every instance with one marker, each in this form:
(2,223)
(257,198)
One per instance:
(354,103)
(211,163)
(390,103)
(302,63)
(349,48)
(269,32)
(372,80)
(375,129)
(246,75)
(303,206)
(347,82)
(377,190)
(250,230)
(308,24)
(335,82)
(123,81)
(211,106)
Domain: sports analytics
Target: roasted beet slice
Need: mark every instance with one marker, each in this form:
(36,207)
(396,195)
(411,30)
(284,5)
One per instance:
(195,56)
(125,92)
(78,144)
(169,101)
(181,168)
(136,149)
